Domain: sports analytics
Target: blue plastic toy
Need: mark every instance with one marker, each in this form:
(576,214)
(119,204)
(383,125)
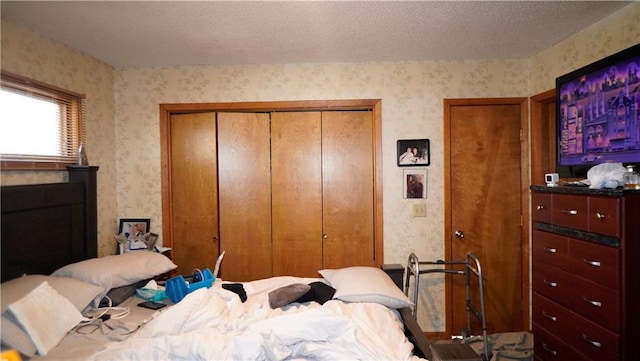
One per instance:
(177,287)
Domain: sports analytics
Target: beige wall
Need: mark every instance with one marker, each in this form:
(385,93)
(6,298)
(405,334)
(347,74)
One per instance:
(412,95)
(37,57)
(610,35)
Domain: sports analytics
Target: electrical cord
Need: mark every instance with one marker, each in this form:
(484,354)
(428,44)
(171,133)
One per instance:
(104,310)
(95,318)
(113,312)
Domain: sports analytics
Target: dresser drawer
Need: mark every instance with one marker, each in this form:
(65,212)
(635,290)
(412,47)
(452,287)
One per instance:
(595,262)
(550,315)
(552,283)
(581,334)
(593,341)
(547,347)
(604,216)
(550,249)
(570,211)
(595,302)
(541,209)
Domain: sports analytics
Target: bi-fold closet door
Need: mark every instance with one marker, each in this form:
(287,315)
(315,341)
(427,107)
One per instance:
(294,194)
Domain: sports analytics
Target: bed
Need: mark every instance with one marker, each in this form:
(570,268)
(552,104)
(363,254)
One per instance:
(49,228)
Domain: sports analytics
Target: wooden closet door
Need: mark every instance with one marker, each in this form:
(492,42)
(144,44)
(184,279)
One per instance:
(194,191)
(348,189)
(296,193)
(244,195)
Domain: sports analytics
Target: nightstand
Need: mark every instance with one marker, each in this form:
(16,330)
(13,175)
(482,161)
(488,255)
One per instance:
(396,272)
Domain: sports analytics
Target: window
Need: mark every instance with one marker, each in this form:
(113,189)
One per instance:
(41,126)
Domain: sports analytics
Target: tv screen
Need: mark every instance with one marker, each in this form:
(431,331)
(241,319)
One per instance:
(598,114)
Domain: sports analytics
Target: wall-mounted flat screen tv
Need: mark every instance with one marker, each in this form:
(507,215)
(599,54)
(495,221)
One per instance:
(598,114)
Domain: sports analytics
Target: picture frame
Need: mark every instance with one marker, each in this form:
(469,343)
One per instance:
(413,153)
(134,226)
(414,183)
(152,241)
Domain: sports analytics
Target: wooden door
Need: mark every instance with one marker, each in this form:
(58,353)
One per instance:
(296,193)
(485,210)
(244,195)
(194,191)
(348,188)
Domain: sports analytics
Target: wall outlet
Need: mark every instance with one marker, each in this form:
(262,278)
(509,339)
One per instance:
(419,210)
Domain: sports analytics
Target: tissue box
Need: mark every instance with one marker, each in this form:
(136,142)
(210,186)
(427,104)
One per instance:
(151,294)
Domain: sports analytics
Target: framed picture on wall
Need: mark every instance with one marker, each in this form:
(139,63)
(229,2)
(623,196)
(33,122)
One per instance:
(414,183)
(413,153)
(134,226)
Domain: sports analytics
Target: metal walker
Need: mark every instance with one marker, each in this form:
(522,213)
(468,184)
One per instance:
(471,265)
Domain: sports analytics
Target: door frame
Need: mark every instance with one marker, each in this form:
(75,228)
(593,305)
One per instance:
(524,202)
(374,105)
(542,134)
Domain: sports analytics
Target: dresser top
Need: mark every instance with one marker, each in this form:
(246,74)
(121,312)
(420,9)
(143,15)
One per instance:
(617,192)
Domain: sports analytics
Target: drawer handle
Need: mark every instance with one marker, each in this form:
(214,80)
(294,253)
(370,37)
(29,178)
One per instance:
(600,215)
(592,263)
(571,212)
(592,302)
(592,342)
(549,349)
(540,207)
(551,317)
(550,250)
(551,283)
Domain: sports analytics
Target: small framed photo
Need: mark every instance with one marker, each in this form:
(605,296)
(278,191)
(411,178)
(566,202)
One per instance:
(413,153)
(151,241)
(414,183)
(132,227)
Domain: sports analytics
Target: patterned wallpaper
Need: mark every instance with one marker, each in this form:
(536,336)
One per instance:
(411,94)
(610,35)
(35,56)
(124,115)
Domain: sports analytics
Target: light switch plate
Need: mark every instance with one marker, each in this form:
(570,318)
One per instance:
(419,210)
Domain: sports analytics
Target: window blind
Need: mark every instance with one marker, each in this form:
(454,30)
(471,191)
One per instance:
(44,131)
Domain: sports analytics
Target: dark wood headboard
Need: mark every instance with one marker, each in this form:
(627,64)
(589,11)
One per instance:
(47,226)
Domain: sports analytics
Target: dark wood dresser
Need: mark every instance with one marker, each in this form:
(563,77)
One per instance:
(585,273)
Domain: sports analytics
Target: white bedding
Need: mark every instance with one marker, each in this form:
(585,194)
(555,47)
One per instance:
(213,324)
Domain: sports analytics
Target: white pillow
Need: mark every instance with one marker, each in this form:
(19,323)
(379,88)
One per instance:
(79,293)
(119,270)
(46,316)
(365,284)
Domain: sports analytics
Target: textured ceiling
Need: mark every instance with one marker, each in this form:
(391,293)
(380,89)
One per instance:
(166,33)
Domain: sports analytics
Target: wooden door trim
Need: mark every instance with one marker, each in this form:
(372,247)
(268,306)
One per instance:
(539,132)
(375,105)
(524,202)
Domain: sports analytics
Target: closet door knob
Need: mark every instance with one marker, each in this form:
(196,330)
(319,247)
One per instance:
(325,236)
(459,234)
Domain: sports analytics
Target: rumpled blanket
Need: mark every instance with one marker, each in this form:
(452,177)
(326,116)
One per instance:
(213,324)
